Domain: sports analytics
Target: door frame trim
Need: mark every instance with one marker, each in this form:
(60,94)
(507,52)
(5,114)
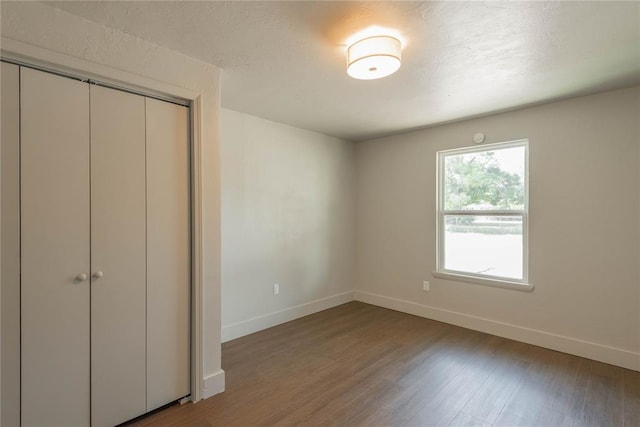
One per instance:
(59,63)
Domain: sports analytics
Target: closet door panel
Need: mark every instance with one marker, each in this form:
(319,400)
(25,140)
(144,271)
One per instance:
(10,264)
(54,250)
(118,251)
(168,253)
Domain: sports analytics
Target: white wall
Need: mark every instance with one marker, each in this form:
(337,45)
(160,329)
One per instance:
(584,227)
(287,218)
(83,42)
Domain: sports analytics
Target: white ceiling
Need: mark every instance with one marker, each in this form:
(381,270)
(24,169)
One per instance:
(284,61)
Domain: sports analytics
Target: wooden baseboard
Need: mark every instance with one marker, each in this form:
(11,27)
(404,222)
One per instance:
(213,384)
(590,350)
(249,326)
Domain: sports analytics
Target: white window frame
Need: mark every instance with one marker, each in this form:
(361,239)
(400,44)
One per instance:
(475,278)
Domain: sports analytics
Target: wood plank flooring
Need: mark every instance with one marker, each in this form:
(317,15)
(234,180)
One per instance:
(362,365)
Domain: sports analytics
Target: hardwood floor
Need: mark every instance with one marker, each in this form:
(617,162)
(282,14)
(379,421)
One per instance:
(361,365)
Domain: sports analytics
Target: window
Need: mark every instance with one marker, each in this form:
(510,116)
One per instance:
(482,214)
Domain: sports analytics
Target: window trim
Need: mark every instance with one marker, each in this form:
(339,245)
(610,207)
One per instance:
(482,279)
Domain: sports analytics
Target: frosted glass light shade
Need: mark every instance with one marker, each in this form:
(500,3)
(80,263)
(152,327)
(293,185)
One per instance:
(373,57)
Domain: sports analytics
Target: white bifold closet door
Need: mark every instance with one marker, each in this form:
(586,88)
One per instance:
(168,253)
(55,249)
(10,232)
(118,256)
(105,255)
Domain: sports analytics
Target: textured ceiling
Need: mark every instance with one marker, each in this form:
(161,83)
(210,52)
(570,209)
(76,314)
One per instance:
(284,61)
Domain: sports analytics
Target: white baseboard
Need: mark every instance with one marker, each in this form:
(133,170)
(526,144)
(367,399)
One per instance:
(213,384)
(249,326)
(602,353)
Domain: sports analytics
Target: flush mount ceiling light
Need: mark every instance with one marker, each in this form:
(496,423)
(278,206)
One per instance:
(374,57)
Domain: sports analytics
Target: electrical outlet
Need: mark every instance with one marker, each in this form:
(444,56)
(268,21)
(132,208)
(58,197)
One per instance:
(276,289)
(426,286)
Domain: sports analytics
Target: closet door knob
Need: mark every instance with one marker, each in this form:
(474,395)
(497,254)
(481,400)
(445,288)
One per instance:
(81,277)
(97,274)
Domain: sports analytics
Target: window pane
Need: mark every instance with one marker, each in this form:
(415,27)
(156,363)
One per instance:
(487,245)
(485,180)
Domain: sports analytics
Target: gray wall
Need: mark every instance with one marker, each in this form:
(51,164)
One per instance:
(584,222)
(287,217)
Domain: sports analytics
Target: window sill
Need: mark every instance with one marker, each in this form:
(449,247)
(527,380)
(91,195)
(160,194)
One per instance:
(504,284)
